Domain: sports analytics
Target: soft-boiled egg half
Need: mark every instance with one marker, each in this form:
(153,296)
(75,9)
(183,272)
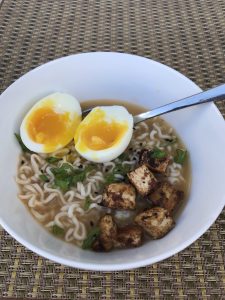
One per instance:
(51,123)
(104,134)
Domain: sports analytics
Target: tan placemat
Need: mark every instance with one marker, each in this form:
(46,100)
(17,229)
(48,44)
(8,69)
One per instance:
(187,35)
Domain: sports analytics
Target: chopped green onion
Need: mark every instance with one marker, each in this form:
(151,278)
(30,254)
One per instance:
(110,178)
(91,237)
(52,159)
(123,156)
(58,231)
(66,176)
(63,170)
(87,203)
(180,156)
(63,177)
(121,169)
(118,169)
(44,178)
(23,147)
(80,175)
(157,153)
(63,184)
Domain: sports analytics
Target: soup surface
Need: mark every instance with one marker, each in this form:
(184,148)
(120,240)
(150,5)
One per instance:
(64,192)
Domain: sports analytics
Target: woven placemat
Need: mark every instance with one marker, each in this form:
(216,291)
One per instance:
(187,35)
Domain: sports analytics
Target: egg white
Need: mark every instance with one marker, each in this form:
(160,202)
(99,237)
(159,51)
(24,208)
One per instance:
(61,103)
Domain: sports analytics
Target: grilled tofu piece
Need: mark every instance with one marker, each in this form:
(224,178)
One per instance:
(119,196)
(158,165)
(155,221)
(108,233)
(166,196)
(143,180)
(129,236)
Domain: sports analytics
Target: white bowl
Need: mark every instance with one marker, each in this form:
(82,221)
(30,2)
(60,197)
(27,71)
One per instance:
(134,79)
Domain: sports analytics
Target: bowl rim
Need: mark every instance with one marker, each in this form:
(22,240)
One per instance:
(126,266)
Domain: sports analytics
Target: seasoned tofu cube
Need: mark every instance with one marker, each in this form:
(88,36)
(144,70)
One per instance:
(155,221)
(129,236)
(119,196)
(143,180)
(158,165)
(166,196)
(108,233)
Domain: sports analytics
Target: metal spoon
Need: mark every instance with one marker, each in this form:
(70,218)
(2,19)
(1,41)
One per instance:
(214,94)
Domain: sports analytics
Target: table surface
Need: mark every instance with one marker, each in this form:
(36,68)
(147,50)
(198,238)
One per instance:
(187,35)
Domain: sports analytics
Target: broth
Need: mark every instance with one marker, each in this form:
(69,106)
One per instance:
(53,207)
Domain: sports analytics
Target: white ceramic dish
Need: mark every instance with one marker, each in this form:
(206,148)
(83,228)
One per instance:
(138,80)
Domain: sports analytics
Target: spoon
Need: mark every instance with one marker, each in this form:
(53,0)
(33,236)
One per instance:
(214,94)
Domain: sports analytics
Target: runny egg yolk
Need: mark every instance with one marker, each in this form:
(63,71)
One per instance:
(103,135)
(50,128)
(97,133)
